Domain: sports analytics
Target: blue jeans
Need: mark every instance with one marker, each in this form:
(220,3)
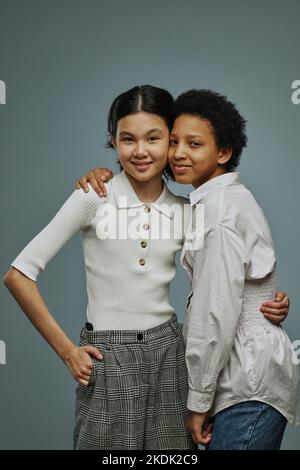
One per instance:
(250,425)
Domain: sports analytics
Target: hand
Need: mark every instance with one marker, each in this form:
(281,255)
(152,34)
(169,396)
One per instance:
(96,178)
(80,363)
(200,427)
(276,312)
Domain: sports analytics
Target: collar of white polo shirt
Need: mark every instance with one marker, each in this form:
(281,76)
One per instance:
(126,197)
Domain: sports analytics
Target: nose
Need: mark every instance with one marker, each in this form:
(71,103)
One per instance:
(179,153)
(140,151)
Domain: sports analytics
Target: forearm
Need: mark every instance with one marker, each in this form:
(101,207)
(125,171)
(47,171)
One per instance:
(26,293)
(213,316)
(211,331)
(204,360)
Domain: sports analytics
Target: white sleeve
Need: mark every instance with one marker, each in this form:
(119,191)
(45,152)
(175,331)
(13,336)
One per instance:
(212,318)
(72,217)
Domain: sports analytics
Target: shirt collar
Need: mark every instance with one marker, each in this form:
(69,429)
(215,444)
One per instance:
(126,197)
(227,179)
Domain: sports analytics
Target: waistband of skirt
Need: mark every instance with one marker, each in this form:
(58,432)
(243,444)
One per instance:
(131,336)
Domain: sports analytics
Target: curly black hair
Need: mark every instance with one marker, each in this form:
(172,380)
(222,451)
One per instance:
(227,123)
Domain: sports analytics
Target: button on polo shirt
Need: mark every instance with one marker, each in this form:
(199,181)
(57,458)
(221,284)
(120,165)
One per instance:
(111,263)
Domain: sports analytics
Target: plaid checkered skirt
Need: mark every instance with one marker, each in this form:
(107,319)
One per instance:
(137,395)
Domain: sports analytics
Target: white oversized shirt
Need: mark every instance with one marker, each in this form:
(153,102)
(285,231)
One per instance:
(233,353)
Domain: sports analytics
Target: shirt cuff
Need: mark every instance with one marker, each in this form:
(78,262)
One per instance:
(24,269)
(200,402)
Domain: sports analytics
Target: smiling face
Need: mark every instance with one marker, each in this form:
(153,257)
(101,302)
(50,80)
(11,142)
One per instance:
(142,142)
(193,153)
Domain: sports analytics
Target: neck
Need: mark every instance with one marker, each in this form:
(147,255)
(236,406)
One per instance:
(218,172)
(147,191)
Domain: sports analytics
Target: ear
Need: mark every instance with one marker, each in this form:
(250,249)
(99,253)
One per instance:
(224,156)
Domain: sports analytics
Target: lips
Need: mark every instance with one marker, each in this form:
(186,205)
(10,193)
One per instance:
(180,169)
(141,166)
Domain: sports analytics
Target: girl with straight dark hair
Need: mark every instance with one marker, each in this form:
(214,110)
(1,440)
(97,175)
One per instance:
(130,364)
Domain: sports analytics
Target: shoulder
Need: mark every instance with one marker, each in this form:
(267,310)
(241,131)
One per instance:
(172,198)
(90,198)
(243,215)
(82,205)
(242,212)
(180,208)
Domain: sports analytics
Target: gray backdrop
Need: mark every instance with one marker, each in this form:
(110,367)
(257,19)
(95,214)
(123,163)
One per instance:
(63,61)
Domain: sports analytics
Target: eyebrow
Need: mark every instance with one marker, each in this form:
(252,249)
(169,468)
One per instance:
(190,135)
(196,135)
(156,129)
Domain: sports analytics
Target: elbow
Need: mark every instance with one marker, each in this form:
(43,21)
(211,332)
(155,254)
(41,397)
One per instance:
(11,277)
(6,278)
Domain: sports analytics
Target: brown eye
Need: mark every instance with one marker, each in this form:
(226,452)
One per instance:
(196,144)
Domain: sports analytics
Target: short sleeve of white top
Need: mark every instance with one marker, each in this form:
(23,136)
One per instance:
(129,252)
(233,353)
